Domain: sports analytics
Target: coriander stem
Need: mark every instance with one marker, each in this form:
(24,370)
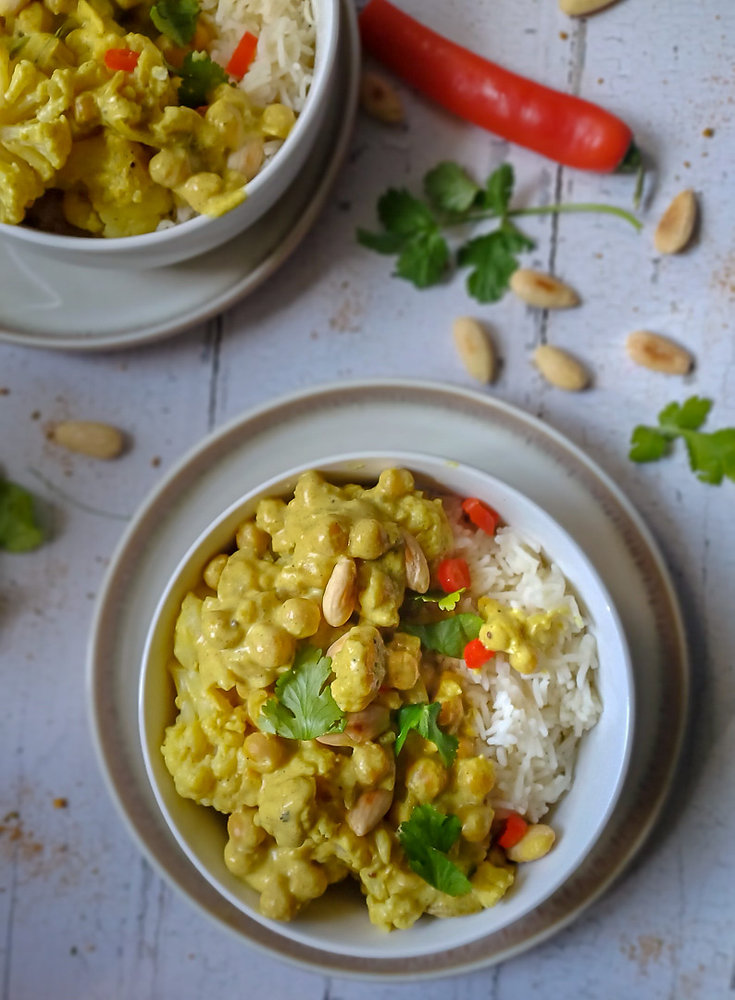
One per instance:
(585,206)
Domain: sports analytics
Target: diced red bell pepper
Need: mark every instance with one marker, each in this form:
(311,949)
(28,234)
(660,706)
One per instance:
(242,56)
(476,654)
(124,59)
(453,574)
(514,830)
(482,516)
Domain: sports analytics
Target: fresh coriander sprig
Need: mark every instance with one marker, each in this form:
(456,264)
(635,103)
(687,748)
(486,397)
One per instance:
(711,454)
(426,838)
(303,707)
(423,718)
(19,529)
(413,228)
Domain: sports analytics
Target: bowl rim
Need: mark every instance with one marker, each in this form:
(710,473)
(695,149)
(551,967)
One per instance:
(283,481)
(325,55)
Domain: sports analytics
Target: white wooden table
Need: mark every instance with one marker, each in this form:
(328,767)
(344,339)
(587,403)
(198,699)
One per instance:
(83,916)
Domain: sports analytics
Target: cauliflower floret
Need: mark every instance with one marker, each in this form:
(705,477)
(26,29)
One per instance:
(20,185)
(45,146)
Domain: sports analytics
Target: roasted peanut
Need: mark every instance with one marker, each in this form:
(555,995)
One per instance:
(418,576)
(475,349)
(579,8)
(543,291)
(379,99)
(89,438)
(340,593)
(677,223)
(368,811)
(658,353)
(560,369)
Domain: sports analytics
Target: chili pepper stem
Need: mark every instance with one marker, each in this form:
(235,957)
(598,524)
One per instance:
(567,207)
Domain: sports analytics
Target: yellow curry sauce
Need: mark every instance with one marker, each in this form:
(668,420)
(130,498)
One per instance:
(304,813)
(118,144)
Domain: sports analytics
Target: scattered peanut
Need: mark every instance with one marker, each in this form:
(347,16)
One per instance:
(475,349)
(534,844)
(658,353)
(89,438)
(579,8)
(379,99)
(677,223)
(541,290)
(369,810)
(418,576)
(560,368)
(340,593)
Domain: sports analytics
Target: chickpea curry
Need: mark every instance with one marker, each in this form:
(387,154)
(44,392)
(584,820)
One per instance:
(316,712)
(110,128)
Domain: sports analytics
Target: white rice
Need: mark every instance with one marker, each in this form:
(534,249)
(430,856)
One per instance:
(529,724)
(282,69)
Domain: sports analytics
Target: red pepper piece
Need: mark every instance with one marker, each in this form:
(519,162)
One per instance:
(513,831)
(482,516)
(124,59)
(476,654)
(560,126)
(242,56)
(453,574)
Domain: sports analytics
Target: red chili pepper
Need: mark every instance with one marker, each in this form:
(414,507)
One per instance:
(242,56)
(124,59)
(560,126)
(482,516)
(453,574)
(476,654)
(513,831)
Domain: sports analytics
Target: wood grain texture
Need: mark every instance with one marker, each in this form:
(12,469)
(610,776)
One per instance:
(82,915)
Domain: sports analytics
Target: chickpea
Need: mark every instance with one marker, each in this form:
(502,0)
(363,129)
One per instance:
(426,778)
(254,703)
(475,777)
(270,515)
(269,645)
(300,617)
(170,167)
(276,901)
(307,880)
(534,844)
(476,822)
(277,120)
(403,658)
(368,539)
(266,751)
(199,189)
(248,159)
(251,539)
(220,628)
(395,482)
(243,831)
(371,762)
(213,570)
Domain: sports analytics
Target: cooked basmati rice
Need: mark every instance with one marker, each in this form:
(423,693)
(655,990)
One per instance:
(528,724)
(282,69)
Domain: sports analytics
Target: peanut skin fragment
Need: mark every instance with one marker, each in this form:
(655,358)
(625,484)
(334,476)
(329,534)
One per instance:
(677,223)
(89,438)
(658,353)
(560,369)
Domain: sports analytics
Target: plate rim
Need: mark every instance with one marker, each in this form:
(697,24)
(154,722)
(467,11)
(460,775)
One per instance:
(244,285)
(331,963)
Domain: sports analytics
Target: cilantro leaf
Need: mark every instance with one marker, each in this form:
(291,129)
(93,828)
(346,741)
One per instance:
(448,636)
(493,260)
(19,530)
(423,718)
(445,602)
(423,259)
(387,243)
(177,19)
(199,77)
(711,454)
(450,188)
(498,190)
(303,707)
(403,214)
(426,837)
(648,444)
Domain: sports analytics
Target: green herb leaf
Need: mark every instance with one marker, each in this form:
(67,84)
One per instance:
(426,837)
(498,190)
(303,707)
(446,602)
(387,243)
(19,530)
(199,77)
(448,636)
(423,718)
(711,455)
(403,214)
(492,258)
(424,259)
(450,188)
(177,19)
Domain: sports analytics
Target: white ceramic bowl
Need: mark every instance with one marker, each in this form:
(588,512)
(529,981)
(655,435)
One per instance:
(338,922)
(189,239)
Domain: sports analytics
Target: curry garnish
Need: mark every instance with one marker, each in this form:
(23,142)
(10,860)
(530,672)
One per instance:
(448,636)
(426,838)
(303,707)
(423,718)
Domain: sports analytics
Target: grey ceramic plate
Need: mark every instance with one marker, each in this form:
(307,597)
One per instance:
(46,303)
(401,416)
